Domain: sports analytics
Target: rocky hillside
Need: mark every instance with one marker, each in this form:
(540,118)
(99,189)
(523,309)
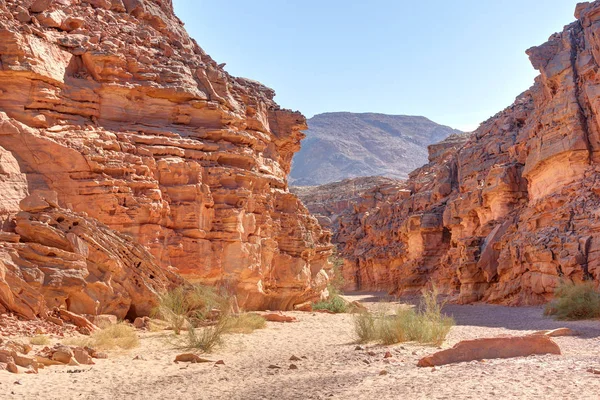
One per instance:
(345,145)
(145,140)
(328,202)
(508,213)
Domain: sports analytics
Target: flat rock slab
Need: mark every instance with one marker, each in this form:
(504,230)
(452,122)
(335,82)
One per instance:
(487,348)
(279,318)
(557,332)
(190,357)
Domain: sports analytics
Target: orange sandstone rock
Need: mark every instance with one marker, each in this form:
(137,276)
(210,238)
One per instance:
(487,348)
(501,215)
(115,108)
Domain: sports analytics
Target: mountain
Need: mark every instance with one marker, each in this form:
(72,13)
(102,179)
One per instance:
(505,214)
(342,145)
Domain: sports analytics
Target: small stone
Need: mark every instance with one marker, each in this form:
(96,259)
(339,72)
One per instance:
(293,366)
(220,362)
(190,357)
(366,361)
(273,366)
(372,353)
(12,367)
(359,348)
(594,371)
(383,372)
(387,355)
(294,358)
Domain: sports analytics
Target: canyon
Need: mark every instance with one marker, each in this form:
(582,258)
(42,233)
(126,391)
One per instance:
(132,162)
(505,214)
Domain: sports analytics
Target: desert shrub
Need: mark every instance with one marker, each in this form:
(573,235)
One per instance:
(245,323)
(117,336)
(206,314)
(335,302)
(573,301)
(206,338)
(425,325)
(183,306)
(40,340)
(364,327)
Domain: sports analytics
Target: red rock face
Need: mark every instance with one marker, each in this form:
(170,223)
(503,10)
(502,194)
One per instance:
(113,106)
(506,214)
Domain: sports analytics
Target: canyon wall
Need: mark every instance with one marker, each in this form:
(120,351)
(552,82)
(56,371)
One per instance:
(507,213)
(111,105)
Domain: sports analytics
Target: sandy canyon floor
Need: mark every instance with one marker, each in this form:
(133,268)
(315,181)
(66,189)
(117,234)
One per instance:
(330,366)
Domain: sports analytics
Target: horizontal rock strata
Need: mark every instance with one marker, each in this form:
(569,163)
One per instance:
(113,106)
(506,214)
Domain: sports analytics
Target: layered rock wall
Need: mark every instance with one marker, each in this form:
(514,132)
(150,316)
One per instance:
(113,106)
(505,215)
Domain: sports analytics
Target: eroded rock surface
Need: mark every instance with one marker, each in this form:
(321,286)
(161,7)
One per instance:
(113,106)
(62,259)
(503,215)
(328,202)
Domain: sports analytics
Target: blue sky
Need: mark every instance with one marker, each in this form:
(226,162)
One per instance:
(455,62)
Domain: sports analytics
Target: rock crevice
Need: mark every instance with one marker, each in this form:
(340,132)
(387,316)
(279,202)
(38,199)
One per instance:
(503,215)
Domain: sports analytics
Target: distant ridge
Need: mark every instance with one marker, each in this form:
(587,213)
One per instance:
(341,145)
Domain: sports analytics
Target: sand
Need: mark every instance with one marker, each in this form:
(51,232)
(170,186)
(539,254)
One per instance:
(332,367)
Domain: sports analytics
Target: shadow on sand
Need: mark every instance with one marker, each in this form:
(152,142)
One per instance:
(492,316)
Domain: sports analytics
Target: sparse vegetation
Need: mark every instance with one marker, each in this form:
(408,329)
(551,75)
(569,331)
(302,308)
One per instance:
(335,302)
(574,301)
(205,314)
(245,323)
(40,340)
(427,325)
(118,336)
(206,338)
(184,306)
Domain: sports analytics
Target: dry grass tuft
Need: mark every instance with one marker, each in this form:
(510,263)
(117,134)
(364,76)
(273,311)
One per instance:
(206,338)
(245,323)
(428,326)
(206,315)
(574,301)
(189,305)
(40,340)
(118,336)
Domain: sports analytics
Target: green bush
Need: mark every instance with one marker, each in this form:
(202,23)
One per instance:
(427,325)
(574,301)
(335,302)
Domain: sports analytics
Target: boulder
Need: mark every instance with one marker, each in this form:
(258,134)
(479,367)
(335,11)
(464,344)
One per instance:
(488,348)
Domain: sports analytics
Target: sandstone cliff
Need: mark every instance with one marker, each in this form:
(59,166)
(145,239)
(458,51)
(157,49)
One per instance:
(342,145)
(112,105)
(328,202)
(506,214)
